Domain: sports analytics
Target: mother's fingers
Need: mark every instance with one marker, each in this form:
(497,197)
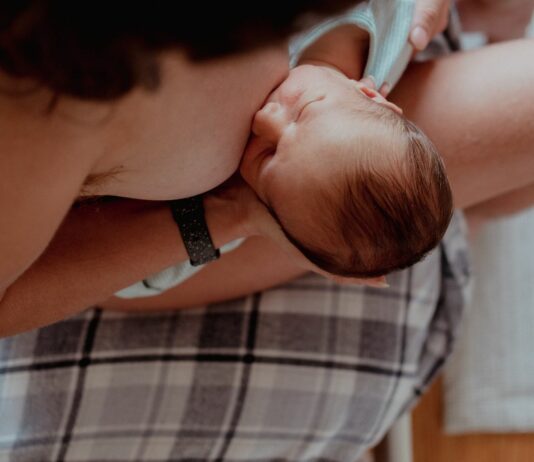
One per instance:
(430,18)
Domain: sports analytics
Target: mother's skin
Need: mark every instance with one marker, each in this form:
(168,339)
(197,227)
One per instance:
(477,109)
(182,140)
(100,249)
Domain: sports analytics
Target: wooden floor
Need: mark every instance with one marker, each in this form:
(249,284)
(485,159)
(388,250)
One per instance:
(431,445)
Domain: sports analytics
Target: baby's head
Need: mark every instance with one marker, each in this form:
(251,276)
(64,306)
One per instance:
(355,186)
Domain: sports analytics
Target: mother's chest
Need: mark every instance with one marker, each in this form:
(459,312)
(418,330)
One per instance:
(189,136)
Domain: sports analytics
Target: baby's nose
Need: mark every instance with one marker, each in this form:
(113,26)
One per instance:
(270,121)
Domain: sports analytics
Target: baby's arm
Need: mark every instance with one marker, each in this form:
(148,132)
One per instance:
(344,48)
(371,40)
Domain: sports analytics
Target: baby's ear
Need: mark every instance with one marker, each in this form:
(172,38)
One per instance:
(379,282)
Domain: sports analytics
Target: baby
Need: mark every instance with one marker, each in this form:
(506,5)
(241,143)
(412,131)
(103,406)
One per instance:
(354,185)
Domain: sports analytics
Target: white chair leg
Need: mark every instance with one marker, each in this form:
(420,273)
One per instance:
(398,441)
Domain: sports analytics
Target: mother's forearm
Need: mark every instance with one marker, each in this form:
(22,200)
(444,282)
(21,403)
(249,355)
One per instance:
(478,108)
(257,264)
(98,250)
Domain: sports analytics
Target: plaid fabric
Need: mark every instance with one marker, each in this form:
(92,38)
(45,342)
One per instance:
(311,371)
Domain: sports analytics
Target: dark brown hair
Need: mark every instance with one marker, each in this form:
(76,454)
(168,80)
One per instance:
(388,218)
(102,49)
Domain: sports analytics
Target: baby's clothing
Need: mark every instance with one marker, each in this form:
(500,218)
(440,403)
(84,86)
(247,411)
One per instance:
(388,23)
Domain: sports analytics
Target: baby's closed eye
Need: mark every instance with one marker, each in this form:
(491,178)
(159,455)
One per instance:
(308,104)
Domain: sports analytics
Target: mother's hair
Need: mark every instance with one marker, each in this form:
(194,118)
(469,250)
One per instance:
(102,49)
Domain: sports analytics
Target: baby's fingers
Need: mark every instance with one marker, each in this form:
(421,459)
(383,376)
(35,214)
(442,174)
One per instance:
(385,89)
(369,82)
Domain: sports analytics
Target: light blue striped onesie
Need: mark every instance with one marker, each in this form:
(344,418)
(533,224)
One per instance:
(388,23)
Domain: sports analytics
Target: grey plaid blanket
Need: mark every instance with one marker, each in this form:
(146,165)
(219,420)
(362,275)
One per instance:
(311,371)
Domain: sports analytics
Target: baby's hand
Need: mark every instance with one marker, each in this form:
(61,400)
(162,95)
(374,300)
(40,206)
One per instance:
(369,82)
(344,48)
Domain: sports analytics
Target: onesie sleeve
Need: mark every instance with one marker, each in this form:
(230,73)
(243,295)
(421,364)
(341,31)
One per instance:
(388,24)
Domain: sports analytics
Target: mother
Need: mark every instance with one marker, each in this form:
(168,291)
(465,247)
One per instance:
(126,149)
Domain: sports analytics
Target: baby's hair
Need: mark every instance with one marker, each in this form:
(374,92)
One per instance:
(389,216)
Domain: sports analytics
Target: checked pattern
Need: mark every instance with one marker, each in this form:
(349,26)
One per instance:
(310,371)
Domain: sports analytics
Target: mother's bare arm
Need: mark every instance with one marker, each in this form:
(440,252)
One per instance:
(477,107)
(256,265)
(96,252)
(46,274)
